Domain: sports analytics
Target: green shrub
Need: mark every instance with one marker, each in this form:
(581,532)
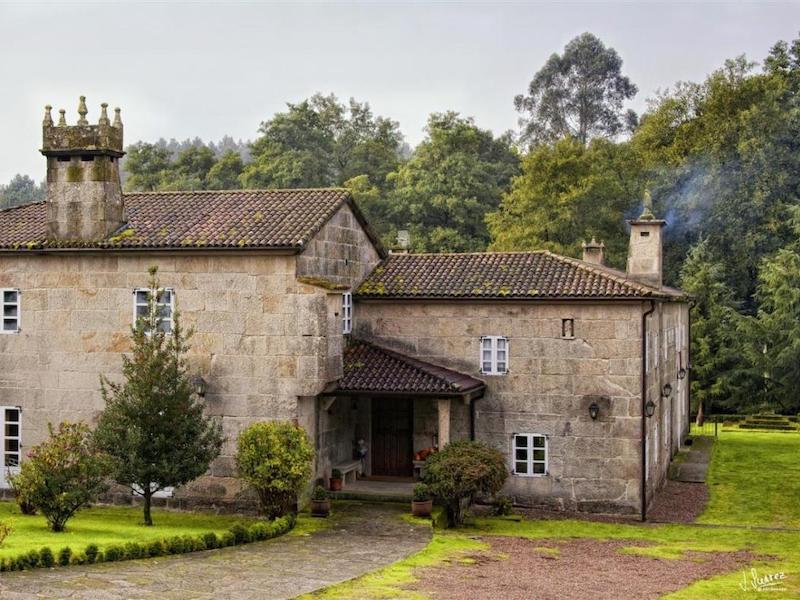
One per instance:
(156,548)
(21,487)
(320,494)
(63,474)
(502,506)
(64,556)
(46,558)
(114,553)
(31,559)
(5,531)
(274,460)
(240,534)
(336,474)
(460,471)
(422,493)
(78,559)
(91,552)
(134,550)
(210,540)
(175,545)
(228,539)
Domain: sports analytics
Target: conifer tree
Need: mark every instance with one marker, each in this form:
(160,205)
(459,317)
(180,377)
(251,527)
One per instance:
(153,426)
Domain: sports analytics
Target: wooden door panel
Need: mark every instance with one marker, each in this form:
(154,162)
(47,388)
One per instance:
(392,431)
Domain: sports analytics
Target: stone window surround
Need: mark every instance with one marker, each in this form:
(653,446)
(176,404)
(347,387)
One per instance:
(5,305)
(497,355)
(11,457)
(171,304)
(347,313)
(568,328)
(531,443)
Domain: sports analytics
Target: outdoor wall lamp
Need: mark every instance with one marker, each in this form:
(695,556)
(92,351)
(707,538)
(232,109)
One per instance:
(650,408)
(681,373)
(199,385)
(666,391)
(594,411)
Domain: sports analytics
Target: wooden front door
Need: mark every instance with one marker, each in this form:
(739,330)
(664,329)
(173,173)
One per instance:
(392,435)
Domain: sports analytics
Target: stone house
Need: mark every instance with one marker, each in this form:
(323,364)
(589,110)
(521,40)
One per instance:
(575,371)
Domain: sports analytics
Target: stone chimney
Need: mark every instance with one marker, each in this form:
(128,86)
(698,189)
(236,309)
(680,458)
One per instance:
(594,252)
(645,248)
(84,196)
(403,242)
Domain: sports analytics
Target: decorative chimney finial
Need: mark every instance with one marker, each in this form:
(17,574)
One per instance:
(117,118)
(82,111)
(103,120)
(62,120)
(48,118)
(647,212)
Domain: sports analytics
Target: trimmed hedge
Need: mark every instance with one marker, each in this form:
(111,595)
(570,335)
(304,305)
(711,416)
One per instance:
(180,544)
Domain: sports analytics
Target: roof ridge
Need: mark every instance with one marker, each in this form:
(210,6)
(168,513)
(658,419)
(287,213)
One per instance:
(238,191)
(600,270)
(484,253)
(10,208)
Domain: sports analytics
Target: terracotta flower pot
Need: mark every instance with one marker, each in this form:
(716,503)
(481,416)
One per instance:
(320,508)
(422,509)
(335,484)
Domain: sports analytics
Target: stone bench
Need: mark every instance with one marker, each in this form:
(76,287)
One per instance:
(352,469)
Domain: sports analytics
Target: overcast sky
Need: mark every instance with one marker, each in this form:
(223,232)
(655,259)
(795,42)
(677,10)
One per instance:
(191,69)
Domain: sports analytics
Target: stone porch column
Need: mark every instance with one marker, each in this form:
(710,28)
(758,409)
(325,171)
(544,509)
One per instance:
(444,422)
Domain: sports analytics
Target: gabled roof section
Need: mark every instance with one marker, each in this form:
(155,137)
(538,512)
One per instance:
(373,370)
(500,275)
(243,219)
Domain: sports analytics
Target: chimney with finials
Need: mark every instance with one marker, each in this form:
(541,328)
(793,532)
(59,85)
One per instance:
(645,249)
(594,252)
(84,196)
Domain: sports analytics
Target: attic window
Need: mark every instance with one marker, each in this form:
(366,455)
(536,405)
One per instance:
(568,329)
(644,233)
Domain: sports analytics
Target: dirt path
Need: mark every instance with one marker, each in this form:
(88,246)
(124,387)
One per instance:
(363,538)
(521,569)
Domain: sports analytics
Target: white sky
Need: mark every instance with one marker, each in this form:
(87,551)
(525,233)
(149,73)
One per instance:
(202,69)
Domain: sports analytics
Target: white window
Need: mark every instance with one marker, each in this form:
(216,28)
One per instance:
(494,355)
(347,313)
(10,311)
(568,329)
(529,455)
(165,307)
(11,438)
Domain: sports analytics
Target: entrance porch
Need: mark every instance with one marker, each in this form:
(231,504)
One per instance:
(391,411)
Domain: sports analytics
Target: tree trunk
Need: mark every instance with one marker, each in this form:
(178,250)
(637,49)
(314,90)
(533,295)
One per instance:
(148,520)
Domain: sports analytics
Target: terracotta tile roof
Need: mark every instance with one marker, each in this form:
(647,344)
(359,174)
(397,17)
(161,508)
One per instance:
(371,369)
(498,275)
(203,219)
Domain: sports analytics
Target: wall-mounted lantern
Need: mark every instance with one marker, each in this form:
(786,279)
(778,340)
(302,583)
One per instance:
(681,373)
(650,408)
(199,385)
(666,391)
(594,410)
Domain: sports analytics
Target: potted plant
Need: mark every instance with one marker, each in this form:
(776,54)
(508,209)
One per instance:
(422,504)
(336,480)
(320,503)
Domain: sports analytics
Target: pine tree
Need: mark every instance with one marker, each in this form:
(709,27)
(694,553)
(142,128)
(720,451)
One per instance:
(153,427)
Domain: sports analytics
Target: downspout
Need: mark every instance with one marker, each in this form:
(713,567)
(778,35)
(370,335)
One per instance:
(643,485)
(692,304)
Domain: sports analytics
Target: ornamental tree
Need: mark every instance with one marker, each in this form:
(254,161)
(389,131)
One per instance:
(153,426)
(274,460)
(63,474)
(460,471)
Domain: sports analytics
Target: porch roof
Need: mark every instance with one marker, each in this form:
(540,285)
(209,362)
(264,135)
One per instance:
(371,370)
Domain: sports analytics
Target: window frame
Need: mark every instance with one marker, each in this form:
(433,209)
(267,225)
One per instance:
(347,313)
(530,461)
(4,304)
(137,304)
(493,358)
(10,469)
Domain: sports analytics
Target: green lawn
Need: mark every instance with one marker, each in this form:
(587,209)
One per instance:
(753,481)
(104,526)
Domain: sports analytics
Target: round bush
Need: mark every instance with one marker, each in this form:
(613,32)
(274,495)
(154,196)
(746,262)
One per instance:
(274,460)
(460,471)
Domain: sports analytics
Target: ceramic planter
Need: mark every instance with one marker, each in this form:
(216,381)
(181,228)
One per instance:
(320,508)
(422,509)
(335,484)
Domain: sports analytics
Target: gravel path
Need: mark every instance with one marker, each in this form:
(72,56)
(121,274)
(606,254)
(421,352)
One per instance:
(362,538)
(521,569)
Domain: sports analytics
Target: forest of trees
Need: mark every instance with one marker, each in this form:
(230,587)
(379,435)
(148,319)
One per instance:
(721,158)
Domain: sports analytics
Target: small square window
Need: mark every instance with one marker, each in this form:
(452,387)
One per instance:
(164,307)
(568,329)
(530,454)
(494,355)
